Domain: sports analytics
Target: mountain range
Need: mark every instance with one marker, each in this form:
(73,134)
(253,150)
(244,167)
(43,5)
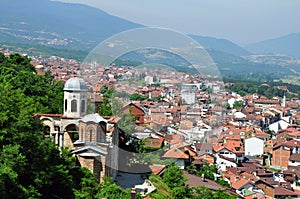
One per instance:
(57,24)
(80,27)
(288,45)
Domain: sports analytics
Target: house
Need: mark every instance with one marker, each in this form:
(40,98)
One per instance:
(243,187)
(294,160)
(266,187)
(280,156)
(254,146)
(279,125)
(281,192)
(232,149)
(136,111)
(196,181)
(207,157)
(293,145)
(223,162)
(153,143)
(157,169)
(275,191)
(202,148)
(183,155)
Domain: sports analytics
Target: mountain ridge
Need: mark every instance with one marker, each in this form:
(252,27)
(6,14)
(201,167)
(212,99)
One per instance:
(287,44)
(220,45)
(50,20)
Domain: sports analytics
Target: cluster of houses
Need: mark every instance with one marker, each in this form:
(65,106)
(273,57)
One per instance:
(255,146)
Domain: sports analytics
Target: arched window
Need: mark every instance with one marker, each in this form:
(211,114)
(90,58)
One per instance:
(99,135)
(91,135)
(82,106)
(66,104)
(74,105)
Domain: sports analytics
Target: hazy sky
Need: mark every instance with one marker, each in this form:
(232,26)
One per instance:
(241,21)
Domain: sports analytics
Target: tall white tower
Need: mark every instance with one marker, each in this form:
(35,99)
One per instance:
(284,101)
(75,98)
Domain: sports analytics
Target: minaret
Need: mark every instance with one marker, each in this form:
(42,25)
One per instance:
(283,100)
(75,98)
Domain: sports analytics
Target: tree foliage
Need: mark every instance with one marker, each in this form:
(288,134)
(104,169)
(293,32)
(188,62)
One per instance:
(32,166)
(209,171)
(268,89)
(173,176)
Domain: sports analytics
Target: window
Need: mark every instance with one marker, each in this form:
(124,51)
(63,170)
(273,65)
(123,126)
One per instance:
(66,104)
(91,135)
(82,106)
(74,106)
(99,136)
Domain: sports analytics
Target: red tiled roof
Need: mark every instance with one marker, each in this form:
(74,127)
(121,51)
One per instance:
(292,143)
(280,191)
(157,169)
(195,181)
(295,157)
(231,145)
(238,184)
(154,142)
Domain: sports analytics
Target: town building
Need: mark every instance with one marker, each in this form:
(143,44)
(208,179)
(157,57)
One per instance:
(93,140)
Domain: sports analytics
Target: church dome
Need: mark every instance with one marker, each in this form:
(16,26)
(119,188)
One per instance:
(75,84)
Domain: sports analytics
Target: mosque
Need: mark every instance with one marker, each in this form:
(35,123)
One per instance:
(93,139)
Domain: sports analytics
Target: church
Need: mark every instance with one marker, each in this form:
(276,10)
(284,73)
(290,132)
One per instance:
(93,139)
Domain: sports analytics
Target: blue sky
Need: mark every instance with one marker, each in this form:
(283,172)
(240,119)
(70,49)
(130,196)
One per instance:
(241,21)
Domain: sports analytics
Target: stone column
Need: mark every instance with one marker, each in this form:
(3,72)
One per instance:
(61,139)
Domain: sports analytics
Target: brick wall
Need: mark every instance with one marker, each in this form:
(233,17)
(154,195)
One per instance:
(280,157)
(97,165)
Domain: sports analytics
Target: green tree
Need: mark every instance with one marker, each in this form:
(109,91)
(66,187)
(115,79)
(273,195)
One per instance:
(126,123)
(178,192)
(191,169)
(201,192)
(88,186)
(110,190)
(223,183)
(209,171)
(221,194)
(136,96)
(163,191)
(238,104)
(116,105)
(173,176)
(32,166)
(105,107)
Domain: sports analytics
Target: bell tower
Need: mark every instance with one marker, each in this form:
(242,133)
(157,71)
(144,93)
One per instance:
(75,98)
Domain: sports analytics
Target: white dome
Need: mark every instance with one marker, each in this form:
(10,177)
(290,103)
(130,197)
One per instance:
(75,84)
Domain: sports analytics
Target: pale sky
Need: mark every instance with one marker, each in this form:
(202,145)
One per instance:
(241,21)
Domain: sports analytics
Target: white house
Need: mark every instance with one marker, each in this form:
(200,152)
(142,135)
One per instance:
(277,126)
(254,146)
(226,153)
(223,162)
(239,115)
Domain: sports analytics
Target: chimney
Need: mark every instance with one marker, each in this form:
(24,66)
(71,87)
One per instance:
(133,193)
